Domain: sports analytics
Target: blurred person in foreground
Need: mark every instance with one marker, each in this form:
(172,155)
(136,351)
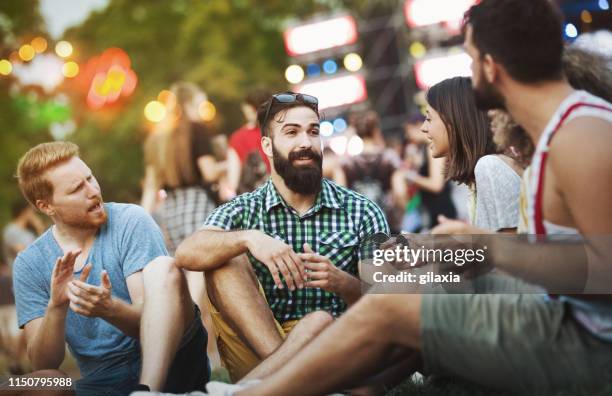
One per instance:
(247,165)
(85,280)
(494,340)
(370,172)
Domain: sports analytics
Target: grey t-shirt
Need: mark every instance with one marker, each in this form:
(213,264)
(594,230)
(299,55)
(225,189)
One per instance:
(496,199)
(125,244)
(14,236)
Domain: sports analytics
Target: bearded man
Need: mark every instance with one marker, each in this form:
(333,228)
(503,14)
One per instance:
(281,261)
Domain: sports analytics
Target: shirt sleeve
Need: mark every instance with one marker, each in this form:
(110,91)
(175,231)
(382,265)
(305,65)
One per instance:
(142,241)
(227,216)
(31,292)
(373,222)
(497,194)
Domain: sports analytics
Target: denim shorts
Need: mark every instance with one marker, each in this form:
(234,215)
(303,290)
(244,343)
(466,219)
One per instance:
(190,369)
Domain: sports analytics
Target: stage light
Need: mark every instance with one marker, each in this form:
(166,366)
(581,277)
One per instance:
(155,111)
(63,49)
(571,31)
(26,52)
(39,44)
(604,4)
(352,62)
(70,69)
(338,91)
(326,129)
(429,12)
(330,66)
(5,67)
(313,70)
(431,71)
(417,50)
(207,111)
(340,125)
(318,36)
(294,74)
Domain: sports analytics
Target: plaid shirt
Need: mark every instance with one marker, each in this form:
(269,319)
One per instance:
(335,227)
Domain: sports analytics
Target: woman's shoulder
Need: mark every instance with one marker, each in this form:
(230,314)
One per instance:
(495,164)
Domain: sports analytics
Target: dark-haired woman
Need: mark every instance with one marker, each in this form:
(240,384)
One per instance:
(460,132)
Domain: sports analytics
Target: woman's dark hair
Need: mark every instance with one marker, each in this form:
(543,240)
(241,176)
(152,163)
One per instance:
(525,36)
(469,133)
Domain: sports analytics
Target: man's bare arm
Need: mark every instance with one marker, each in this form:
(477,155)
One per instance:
(45,338)
(581,161)
(210,248)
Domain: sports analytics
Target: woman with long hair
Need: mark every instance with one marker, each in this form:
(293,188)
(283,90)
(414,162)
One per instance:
(460,132)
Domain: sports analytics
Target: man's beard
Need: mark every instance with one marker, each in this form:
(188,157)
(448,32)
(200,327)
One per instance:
(487,97)
(84,221)
(300,179)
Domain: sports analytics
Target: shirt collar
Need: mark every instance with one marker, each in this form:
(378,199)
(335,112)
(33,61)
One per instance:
(326,197)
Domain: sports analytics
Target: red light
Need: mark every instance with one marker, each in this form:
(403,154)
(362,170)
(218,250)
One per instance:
(318,36)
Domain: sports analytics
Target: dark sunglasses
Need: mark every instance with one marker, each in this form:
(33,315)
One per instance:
(308,100)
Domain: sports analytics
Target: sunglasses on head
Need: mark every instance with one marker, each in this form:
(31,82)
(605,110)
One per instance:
(308,100)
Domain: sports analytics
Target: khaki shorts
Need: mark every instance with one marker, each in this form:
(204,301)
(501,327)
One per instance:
(511,342)
(238,357)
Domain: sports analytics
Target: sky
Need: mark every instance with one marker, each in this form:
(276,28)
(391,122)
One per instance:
(59,15)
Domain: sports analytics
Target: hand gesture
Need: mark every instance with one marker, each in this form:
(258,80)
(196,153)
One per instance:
(61,276)
(279,258)
(89,300)
(322,272)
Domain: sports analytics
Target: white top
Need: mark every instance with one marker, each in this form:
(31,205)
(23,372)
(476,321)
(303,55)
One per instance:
(495,202)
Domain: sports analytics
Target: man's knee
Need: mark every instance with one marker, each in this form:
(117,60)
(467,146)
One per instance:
(162,272)
(238,267)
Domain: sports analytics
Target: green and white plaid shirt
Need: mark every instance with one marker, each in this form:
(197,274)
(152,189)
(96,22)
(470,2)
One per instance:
(335,227)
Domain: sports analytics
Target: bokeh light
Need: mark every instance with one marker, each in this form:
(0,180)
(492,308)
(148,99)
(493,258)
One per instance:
(5,67)
(326,129)
(330,66)
(571,30)
(155,111)
(586,16)
(207,111)
(26,52)
(63,49)
(70,69)
(294,74)
(313,69)
(417,49)
(39,44)
(340,125)
(354,146)
(352,62)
